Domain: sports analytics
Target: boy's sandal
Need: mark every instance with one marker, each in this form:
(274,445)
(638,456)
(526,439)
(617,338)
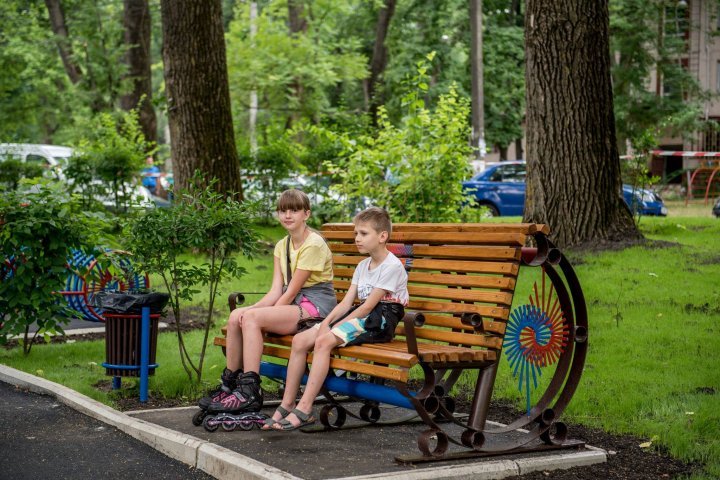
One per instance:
(269,422)
(305,420)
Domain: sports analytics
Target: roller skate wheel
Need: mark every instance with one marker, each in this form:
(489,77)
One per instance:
(209,424)
(229,425)
(198,418)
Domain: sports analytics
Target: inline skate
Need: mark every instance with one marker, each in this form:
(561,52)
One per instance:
(228,382)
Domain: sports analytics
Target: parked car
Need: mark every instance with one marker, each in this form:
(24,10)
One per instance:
(716,208)
(50,157)
(501,189)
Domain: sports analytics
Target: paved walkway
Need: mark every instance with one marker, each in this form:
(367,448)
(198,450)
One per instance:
(42,438)
(355,453)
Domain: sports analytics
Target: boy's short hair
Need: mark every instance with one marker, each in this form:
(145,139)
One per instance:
(293,199)
(377,217)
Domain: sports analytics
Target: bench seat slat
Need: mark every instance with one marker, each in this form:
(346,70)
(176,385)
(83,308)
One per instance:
(447,279)
(433,352)
(465,339)
(501,268)
(439,238)
(362,352)
(489,326)
(447,293)
(524,228)
(398,374)
(456,251)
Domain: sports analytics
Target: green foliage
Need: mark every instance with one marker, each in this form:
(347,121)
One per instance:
(13,170)
(292,75)
(268,167)
(413,170)
(647,37)
(199,220)
(504,92)
(110,158)
(635,171)
(38,228)
(38,102)
(420,26)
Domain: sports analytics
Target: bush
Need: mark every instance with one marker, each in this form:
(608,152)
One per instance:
(414,170)
(201,220)
(37,230)
(13,170)
(110,160)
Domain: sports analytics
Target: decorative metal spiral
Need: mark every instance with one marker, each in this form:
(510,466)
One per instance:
(536,337)
(89,275)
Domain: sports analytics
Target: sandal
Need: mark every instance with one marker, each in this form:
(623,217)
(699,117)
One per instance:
(305,420)
(269,422)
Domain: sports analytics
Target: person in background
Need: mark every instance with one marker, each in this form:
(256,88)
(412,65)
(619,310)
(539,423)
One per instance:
(150,176)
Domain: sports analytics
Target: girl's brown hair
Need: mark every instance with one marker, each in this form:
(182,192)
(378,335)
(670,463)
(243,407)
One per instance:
(293,199)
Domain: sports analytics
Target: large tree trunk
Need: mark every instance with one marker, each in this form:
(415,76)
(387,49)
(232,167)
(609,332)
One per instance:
(476,78)
(379,58)
(137,36)
(573,178)
(196,81)
(59,28)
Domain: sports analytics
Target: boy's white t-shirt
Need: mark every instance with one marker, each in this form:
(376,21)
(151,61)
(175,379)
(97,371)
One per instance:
(390,275)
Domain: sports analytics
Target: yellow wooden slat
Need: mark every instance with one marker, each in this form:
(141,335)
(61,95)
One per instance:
(447,279)
(524,228)
(438,237)
(504,268)
(399,374)
(455,251)
(447,293)
(361,352)
(489,326)
(456,338)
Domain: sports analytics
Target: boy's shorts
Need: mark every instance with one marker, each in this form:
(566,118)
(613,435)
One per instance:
(348,331)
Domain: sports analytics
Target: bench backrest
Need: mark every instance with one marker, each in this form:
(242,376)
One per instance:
(457,269)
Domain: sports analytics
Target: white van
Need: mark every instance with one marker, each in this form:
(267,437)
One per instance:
(48,156)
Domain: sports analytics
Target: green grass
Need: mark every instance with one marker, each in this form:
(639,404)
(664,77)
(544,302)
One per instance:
(653,365)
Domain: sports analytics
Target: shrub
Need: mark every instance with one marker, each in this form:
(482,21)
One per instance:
(201,220)
(414,170)
(37,229)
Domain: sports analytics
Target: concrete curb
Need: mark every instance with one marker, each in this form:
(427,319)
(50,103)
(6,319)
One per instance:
(208,457)
(223,463)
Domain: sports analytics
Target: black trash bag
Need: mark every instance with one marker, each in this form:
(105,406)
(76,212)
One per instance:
(130,303)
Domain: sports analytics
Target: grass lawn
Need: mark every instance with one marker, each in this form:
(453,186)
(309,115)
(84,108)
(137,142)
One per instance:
(653,367)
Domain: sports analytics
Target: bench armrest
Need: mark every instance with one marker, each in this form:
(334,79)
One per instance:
(235,299)
(410,321)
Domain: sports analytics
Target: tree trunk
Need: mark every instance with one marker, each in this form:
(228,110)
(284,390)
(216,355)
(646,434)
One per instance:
(57,22)
(136,21)
(196,82)
(297,25)
(476,77)
(519,149)
(379,58)
(573,177)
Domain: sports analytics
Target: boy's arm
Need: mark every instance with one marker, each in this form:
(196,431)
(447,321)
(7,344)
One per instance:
(370,302)
(342,307)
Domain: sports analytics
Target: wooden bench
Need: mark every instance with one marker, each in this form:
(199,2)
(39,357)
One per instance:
(462,281)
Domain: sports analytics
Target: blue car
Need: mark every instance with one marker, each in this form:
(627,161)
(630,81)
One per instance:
(501,189)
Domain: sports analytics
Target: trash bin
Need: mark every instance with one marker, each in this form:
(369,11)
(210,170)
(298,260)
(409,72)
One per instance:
(124,335)
(123,343)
